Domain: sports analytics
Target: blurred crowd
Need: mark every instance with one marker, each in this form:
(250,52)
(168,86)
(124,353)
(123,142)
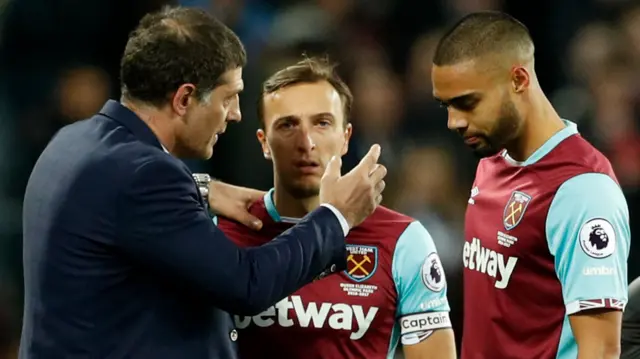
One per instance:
(59,63)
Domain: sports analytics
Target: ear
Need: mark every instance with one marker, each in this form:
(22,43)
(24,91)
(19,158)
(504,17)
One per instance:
(183,98)
(262,138)
(347,136)
(520,79)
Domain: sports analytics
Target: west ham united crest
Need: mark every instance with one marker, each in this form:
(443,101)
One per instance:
(362,262)
(514,210)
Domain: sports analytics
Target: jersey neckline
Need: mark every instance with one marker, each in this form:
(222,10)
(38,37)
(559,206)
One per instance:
(270,205)
(570,130)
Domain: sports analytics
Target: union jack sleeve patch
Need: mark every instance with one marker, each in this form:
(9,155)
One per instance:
(588,304)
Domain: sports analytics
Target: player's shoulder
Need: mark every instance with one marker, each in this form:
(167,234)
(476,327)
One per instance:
(384,225)
(257,209)
(579,169)
(383,217)
(575,155)
(243,235)
(382,213)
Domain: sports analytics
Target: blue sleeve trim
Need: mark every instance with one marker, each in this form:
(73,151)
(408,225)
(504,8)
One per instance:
(418,273)
(588,233)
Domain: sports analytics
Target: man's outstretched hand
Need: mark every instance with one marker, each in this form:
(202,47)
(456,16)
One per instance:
(233,202)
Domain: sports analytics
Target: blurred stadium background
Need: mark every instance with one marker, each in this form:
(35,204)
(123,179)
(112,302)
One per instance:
(59,62)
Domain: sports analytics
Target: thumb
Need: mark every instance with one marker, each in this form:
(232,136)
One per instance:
(250,221)
(333,169)
(369,161)
(244,217)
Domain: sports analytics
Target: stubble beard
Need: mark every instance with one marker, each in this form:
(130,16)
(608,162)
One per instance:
(303,191)
(505,131)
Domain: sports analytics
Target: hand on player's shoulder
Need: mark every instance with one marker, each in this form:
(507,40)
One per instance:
(233,202)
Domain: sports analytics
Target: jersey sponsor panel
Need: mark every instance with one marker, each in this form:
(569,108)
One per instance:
(355,319)
(487,261)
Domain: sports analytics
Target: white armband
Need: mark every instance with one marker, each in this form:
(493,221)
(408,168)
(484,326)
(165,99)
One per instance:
(424,322)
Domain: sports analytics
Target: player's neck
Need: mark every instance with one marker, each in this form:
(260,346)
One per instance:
(155,120)
(289,206)
(539,126)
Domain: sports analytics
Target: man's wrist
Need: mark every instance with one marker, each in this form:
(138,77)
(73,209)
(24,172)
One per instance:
(343,221)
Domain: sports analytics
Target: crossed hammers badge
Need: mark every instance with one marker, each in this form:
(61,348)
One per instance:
(362,262)
(359,265)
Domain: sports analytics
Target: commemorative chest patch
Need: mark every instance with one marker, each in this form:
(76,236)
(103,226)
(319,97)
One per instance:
(362,264)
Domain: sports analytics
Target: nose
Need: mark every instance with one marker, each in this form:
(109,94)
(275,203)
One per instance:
(305,141)
(234,114)
(456,120)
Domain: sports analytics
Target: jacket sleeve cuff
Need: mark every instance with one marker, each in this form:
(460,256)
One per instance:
(341,219)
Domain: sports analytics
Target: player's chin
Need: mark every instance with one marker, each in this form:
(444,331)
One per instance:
(482,150)
(305,187)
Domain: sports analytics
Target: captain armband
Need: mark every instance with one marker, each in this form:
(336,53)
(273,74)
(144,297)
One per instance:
(415,328)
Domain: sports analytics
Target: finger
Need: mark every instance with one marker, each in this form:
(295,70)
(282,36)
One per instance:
(332,171)
(379,188)
(249,220)
(378,173)
(371,158)
(378,199)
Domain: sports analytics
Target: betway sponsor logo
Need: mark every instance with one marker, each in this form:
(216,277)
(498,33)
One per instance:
(337,316)
(490,262)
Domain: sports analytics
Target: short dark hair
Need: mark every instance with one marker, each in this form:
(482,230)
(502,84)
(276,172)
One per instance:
(175,46)
(483,33)
(308,70)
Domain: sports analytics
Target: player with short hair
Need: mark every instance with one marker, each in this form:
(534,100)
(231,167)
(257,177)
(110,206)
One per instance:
(394,288)
(121,259)
(547,225)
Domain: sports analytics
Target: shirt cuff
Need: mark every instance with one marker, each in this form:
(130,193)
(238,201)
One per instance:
(341,219)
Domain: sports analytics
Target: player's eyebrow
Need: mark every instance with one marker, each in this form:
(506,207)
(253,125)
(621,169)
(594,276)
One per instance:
(459,101)
(327,115)
(461,98)
(287,118)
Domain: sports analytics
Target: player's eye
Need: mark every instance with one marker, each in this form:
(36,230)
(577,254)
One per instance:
(465,104)
(286,125)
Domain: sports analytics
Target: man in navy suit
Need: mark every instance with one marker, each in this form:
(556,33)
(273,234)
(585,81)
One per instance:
(121,258)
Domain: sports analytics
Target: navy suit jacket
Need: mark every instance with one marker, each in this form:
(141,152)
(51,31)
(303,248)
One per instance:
(121,259)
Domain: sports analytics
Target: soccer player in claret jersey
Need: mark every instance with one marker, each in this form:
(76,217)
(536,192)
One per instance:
(547,225)
(393,290)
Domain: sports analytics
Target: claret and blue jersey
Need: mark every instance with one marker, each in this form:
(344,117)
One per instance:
(393,290)
(544,239)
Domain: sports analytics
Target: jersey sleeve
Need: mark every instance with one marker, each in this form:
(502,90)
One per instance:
(420,284)
(588,233)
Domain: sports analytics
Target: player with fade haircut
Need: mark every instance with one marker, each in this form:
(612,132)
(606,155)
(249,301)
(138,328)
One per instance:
(394,288)
(547,225)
